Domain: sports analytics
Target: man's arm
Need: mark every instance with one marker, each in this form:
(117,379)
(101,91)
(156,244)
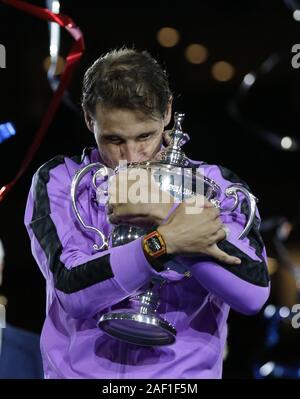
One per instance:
(245,286)
(84,282)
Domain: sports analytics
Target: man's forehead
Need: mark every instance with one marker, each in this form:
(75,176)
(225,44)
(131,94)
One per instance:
(122,116)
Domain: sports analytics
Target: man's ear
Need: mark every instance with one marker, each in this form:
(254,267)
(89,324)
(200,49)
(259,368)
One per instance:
(168,113)
(89,120)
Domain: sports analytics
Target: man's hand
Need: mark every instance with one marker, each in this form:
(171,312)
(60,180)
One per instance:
(195,234)
(136,199)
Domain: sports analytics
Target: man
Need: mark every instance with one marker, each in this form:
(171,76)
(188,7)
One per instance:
(20,356)
(127,104)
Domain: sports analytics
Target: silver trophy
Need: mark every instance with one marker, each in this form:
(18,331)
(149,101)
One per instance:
(181,178)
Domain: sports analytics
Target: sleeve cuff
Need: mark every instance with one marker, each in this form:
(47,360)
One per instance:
(130,266)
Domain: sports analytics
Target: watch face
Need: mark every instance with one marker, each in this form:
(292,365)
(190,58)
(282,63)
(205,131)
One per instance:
(154,244)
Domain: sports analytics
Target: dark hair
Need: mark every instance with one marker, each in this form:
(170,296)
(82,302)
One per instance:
(126,78)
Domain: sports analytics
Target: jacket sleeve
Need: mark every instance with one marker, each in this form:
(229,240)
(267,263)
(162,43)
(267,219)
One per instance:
(83,281)
(244,287)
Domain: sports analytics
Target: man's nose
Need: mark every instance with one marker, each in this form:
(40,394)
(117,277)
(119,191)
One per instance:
(131,152)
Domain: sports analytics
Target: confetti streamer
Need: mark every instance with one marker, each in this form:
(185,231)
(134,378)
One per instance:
(72,60)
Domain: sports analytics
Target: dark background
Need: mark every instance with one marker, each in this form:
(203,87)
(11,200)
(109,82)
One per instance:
(243,33)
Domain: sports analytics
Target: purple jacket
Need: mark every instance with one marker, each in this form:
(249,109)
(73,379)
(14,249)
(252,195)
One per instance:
(82,284)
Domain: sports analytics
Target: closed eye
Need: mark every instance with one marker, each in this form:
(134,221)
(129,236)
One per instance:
(116,139)
(145,136)
(113,139)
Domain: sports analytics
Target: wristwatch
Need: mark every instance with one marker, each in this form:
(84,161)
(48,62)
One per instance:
(155,250)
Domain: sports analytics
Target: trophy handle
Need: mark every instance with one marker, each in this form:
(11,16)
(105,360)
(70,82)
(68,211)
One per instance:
(232,192)
(74,185)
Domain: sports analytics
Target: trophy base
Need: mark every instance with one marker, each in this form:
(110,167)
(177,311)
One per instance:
(138,328)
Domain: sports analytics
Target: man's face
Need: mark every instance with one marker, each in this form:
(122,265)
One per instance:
(123,134)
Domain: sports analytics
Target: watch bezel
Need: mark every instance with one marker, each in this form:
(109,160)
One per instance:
(148,250)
